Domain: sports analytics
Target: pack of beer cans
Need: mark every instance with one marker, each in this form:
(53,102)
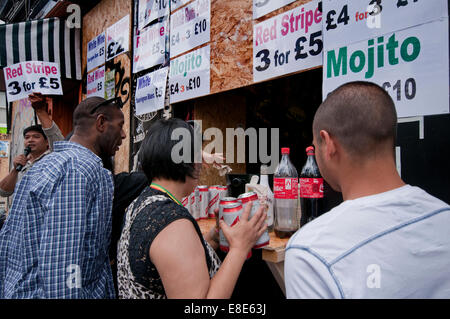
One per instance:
(204,200)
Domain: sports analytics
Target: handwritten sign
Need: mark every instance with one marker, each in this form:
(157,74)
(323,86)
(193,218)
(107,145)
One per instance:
(117,38)
(150,46)
(263,7)
(287,43)
(96,83)
(150,10)
(150,91)
(175,4)
(190,27)
(363,19)
(110,84)
(410,64)
(24,78)
(190,75)
(96,52)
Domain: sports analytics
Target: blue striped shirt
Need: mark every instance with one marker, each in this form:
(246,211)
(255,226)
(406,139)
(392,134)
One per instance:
(54,243)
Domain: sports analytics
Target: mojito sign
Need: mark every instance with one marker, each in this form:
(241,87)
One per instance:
(189,75)
(411,65)
(287,43)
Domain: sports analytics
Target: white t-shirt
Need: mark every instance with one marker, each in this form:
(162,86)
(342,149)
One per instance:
(390,245)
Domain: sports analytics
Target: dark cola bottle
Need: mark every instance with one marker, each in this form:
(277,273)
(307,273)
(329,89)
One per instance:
(311,189)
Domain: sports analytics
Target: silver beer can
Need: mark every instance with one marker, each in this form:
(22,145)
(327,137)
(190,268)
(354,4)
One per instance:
(230,213)
(223,191)
(194,204)
(213,203)
(203,200)
(185,202)
(252,197)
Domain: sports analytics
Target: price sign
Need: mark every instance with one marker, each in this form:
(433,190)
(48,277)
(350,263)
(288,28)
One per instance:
(287,43)
(22,79)
(150,46)
(96,83)
(110,84)
(410,64)
(150,10)
(96,52)
(190,27)
(175,4)
(150,91)
(263,7)
(364,19)
(117,37)
(189,75)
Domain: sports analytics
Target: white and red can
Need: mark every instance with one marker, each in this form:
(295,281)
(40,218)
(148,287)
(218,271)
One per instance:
(214,197)
(230,213)
(186,203)
(203,200)
(193,200)
(252,197)
(223,191)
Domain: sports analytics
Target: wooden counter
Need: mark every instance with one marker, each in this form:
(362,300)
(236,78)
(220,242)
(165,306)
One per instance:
(273,254)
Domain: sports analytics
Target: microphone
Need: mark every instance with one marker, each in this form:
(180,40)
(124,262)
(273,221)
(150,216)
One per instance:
(26,151)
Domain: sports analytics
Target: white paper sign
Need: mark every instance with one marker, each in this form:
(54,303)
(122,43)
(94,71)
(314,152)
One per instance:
(190,27)
(150,46)
(96,52)
(117,37)
(189,75)
(96,83)
(150,10)
(150,91)
(263,7)
(287,43)
(411,65)
(22,79)
(175,4)
(364,19)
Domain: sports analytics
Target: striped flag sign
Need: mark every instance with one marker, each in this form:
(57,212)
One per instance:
(48,40)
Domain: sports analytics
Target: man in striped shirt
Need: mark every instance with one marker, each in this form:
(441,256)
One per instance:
(55,241)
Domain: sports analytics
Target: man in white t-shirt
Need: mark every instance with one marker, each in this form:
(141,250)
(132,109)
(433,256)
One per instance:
(387,239)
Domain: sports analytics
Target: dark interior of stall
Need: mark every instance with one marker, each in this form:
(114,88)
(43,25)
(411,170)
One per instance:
(287,103)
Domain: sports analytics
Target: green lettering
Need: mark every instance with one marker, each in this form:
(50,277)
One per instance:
(415,52)
(391,46)
(336,65)
(362,61)
(370,60)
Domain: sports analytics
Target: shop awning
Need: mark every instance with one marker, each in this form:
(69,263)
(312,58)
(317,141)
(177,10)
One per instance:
(48,40)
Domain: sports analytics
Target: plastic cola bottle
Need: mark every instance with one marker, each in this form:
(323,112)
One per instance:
(285,186)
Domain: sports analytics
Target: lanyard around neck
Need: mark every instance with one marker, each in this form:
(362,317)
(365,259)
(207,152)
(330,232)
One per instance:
(162,189)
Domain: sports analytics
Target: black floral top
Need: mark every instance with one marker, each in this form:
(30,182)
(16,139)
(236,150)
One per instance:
(146,217)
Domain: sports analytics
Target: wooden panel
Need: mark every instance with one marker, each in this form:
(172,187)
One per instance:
(220,111)
(105,14)
(232,42)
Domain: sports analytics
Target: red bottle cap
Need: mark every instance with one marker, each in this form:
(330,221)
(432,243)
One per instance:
(285,150)
(310,150)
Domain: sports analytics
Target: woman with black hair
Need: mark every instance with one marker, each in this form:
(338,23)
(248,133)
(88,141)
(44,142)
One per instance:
(161,252)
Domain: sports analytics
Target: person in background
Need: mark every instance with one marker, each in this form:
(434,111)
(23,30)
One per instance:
(55,241)
(387,239)
(38,144)
(162,253)
(39,138)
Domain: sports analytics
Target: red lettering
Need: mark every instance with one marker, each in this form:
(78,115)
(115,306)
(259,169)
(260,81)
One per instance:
(258,37)
(285,25)
(317,16)
(54,70)
(161,31)
(266,35)
(8,73)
